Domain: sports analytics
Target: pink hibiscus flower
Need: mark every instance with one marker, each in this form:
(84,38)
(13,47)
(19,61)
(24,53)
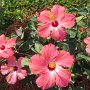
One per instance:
(14,70)
(87,41)
(54,21)
(6,46)
(51,66)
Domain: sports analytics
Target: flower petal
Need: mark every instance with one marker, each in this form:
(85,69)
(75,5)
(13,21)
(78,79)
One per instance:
(58,11)
(4,69)
(88,49)
(58,34)
(45,81)
(6,53)
(64,59)
(21,75)
(12,78)
(37,64)
(63,77)
(10,43)
(87,40)
(68,21)
(44,16)
(19,61)
(2,39)
(49,52)
(11,61)
(44,30)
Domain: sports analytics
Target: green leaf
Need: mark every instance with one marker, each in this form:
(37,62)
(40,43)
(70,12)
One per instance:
(82,56)
(33,26)
(81,23)
(72,33)
(24,46)
(38,47)
(65,46)
(79,18)
(25,62)
(33,18)
(33,49)
(83,11)
(87,71)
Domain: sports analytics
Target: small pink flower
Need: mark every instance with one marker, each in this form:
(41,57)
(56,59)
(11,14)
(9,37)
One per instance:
(54,21)
(14,70)
(6,46)
(87,41)
(51,66)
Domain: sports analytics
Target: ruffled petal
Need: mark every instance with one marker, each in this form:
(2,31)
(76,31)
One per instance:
(4,69)
(44,17)
(68,21)
(19,62)
(10,43)
(37,64)
(12,78)
(45,81)
(58,34)
(44,30)
(21,75)
(64,59)
(88,49)
(63,77)
(12,61)
(49,52)
(2,39)
(58,11)
(87,40)
(6,53)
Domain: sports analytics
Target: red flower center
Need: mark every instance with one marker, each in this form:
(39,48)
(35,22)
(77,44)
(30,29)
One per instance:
(52,65)
(2,47)
(55,23)
(15,68)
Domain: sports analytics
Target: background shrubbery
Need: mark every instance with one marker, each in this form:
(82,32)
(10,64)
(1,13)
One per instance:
(18,19)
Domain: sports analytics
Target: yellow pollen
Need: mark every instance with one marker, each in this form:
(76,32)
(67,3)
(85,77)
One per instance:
(51,16)
(11,69)
(52,65)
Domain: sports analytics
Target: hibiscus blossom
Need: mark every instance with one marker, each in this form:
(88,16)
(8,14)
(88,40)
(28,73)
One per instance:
(13,70)
(6,46)
(87,41)
(51,66)
(54,21)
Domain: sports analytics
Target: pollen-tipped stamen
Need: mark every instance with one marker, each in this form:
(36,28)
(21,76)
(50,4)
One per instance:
(52,65)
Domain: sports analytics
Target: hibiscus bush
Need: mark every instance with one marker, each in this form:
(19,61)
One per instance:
(44,45)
